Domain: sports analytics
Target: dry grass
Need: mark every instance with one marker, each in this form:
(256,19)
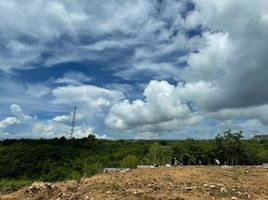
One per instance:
(189,182)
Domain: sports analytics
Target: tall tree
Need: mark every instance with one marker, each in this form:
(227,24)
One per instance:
(229,147)
(158,154)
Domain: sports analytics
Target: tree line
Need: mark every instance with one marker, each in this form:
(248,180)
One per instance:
(59,159)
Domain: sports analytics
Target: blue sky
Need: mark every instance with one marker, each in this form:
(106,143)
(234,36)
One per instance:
(141,69)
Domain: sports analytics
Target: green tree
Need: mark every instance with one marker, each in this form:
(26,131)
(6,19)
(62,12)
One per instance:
(229,147)
(130,161)
(158,154)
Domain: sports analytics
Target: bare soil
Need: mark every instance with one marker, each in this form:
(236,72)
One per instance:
(180,183)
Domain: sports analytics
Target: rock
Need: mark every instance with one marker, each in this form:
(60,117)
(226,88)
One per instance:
(223,190)
(212,186)
(108,192)
(205,185)
(86,197)
(188,188)
(247,195)
(41,185)
(246,172)
(38,185)
(234,198)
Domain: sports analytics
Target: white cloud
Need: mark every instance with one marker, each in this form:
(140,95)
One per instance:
(20,121)
(213,59)
(91,101)
(61,118)
(225,76)
(73,78)
(26,126)
(162,103)
(233,55)
(20,116)
(7,122)
(63,31)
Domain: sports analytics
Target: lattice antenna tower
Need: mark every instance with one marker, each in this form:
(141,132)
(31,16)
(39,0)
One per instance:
(73,124)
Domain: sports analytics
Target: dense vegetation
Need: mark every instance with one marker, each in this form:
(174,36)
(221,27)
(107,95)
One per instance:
(59,159)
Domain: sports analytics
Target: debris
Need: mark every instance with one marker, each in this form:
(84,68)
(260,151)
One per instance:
(188,188)
(145,166)
(112,170)
(212,186)
(223,190)
(234,198)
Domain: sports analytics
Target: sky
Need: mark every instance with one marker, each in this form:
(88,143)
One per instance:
(144,69)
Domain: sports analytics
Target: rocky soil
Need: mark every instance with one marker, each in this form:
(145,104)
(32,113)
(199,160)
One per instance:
(194,183)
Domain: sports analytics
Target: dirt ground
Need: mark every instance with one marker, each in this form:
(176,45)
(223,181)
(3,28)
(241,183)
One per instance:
(187,182)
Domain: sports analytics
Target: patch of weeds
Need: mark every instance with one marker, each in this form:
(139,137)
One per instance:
(113,187)
(7,186)
(220,194)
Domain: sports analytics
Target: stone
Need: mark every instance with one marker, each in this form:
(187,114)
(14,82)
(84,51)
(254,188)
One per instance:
(212,186)
(38,185)
(223,190)
(247,195)
(188,188)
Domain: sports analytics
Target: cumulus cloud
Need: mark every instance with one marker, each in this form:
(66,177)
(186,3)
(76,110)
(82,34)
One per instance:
(13,124)
(52,129)
(19,115)
(233,54)
(90,100)
(167,108)
(162,103)
(216,55)
(27,126)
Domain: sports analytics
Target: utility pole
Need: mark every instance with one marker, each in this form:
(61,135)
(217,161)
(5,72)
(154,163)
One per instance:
(73,124)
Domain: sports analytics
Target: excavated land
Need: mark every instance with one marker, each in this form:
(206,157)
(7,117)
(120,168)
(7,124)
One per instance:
(174,183)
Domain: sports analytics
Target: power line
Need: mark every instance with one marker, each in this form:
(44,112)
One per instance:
(73,124)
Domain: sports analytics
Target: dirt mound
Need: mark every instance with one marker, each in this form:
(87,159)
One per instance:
(202,182)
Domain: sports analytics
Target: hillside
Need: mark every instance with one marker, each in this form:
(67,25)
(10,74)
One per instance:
(61,159)
(189,182)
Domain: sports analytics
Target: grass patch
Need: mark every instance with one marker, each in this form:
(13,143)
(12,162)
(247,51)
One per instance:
(7,186)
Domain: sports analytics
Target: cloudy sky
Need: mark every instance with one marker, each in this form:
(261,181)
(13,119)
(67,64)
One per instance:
(170,69)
